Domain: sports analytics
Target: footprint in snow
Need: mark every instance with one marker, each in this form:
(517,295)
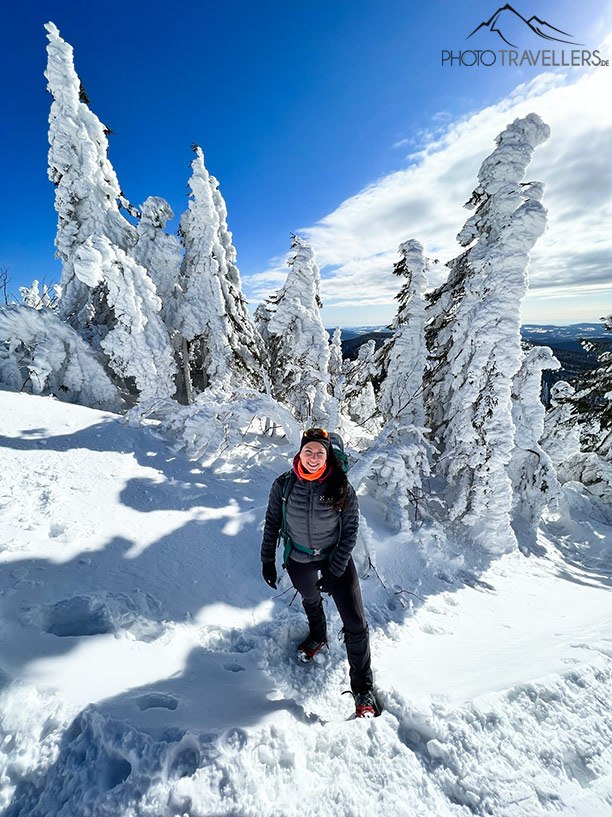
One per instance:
(157,700)
(431,630)
(56,530)
(233,666)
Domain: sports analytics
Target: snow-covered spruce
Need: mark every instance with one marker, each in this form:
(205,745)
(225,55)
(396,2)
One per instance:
(534,482)
(106,296)
(86,188)
(40,354)
(474,340)
(218,343)
(398,459)
(561,441)
(157,251)
(135,341)
(32,296)
(404,356)
(594,473)
(222,429)
(336,378)
(593,401)
(297,342)
(359,397)
(561,435)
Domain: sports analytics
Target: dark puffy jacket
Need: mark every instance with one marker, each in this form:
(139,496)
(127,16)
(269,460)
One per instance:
(311,522)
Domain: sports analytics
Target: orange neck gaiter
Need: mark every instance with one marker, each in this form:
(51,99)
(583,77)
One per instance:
(310,477)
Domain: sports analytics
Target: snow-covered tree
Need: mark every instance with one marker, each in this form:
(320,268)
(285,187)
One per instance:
(593,400)
(40,354)
(336,378)
(157,251)
(219,346)
(404,357)
(87,191)
(106,295)
(359,397)
(298,344)
(531,470)
(32,296)
(399,457)
(136,341)
(474,339)
(561,436)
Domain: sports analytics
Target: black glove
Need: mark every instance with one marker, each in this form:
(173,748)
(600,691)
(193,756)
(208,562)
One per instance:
(327,582)
(268,570)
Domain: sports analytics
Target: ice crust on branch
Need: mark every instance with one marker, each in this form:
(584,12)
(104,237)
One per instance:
(474,339)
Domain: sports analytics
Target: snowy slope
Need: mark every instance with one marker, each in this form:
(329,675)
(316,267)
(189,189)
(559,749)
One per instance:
(146,668)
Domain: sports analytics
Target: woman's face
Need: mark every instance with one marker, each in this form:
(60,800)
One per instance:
(313,456)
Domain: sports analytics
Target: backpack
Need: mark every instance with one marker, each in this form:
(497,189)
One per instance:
(337,443)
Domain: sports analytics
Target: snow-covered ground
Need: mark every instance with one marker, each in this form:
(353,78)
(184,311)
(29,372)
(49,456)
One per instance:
(146,668)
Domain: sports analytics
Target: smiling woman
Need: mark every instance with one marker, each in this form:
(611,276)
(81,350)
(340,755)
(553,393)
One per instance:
(313,510)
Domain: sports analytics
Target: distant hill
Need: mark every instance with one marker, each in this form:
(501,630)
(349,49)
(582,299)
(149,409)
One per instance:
(561,337)
(350,332)
(563,340)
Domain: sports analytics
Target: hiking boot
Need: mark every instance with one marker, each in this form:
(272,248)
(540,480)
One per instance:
(365,704)
(307,650)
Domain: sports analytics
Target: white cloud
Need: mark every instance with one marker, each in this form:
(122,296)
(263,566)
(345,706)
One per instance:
(356,244)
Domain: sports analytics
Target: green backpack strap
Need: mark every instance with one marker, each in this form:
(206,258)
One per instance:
(288,484)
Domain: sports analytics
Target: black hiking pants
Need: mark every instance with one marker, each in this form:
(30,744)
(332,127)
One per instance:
(347,597)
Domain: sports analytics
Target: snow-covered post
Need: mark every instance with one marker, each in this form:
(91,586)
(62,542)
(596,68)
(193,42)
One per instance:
(220,347)
(474,339)
(531,470)
(298,342)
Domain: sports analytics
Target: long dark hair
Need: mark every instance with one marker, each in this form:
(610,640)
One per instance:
(336,484)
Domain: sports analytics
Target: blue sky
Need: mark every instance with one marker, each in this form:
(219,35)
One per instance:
(298,107)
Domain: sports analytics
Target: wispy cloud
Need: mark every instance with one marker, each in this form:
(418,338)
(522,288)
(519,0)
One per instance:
(356,244)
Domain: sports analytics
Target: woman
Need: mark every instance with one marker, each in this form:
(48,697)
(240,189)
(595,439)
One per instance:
(314,509)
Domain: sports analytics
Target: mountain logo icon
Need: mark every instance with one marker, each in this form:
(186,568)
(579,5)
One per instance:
(508,24)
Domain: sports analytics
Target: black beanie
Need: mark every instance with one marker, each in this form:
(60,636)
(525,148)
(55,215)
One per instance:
(316,435)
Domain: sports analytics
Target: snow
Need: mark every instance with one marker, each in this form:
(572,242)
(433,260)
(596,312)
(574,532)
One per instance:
(146,667)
